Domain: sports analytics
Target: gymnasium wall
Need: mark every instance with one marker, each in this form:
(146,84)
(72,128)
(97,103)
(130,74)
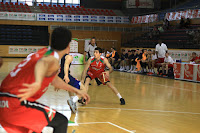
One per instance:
(105,39)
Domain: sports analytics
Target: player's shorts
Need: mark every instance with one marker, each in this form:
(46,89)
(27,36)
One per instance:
(20,117)
(170,65)
(100,76)
(160,60)
(74,82)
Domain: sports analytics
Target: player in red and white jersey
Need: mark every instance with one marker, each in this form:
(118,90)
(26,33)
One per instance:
(96,66)
(19,111)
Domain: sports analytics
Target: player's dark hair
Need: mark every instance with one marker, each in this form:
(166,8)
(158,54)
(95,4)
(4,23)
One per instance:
(93,38)
(99,49)
(194,53)
(60,38)
(143,50)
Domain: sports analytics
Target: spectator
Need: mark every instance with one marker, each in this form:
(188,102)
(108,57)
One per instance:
(138,58)
(122,61)
(128,60)
(114,56)
(168,63)
(103,53)
(144,60)
(132,61)
(89,51)
(160,29)
(166,24)
(187,23)
(149,60)
(161,50)
(194,57)
(182,23)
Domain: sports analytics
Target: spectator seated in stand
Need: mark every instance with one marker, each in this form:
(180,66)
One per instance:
(113,57)
(194,58)
(122,60)
(152,57)
(132,61)
(168,64)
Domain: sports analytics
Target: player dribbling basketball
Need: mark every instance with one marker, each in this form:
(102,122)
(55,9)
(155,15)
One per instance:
(96,66)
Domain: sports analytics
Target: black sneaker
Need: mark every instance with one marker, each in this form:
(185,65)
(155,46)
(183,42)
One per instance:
(82,101)
(122,101)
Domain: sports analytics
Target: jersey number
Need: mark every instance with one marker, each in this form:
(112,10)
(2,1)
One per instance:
(15,71)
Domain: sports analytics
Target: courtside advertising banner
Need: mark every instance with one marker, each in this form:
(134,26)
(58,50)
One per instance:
(17,16)
(74,45)
(198,73)
(177,70)
(188,71)
(183,14)
(23,49)
(144,19)
(82,18)
(77,58)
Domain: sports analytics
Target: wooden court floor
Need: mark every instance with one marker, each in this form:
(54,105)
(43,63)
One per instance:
(153,105)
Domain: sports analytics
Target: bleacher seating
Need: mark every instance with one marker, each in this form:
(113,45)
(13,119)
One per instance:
(174,38)
(74,10)
(11,7)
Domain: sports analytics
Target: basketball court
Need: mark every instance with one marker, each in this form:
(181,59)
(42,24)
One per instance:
(153,104)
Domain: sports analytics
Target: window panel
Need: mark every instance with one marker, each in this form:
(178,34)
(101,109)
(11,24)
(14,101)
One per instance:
(76,2)
(21,0)
(47,1)
(13,0)
(68,1)
(39,1)
(54,1)
(30,3)
(60,1)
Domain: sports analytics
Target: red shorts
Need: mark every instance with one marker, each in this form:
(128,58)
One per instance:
(101,77)
(170,65)
(21,117)
(160,60)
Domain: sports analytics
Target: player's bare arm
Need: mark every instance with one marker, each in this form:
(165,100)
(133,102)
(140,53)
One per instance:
(85,70)
(45,67)
(68,60)
(106,62)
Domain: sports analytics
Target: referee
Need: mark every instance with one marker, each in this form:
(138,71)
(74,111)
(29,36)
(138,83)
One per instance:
(89,50)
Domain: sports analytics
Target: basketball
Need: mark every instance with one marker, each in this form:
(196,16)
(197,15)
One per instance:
(1,62)
(103,77)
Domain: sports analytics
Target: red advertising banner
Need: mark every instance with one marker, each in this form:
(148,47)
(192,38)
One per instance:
(188,71)
(183,14)
(144,19)
(177,70)
(198,73)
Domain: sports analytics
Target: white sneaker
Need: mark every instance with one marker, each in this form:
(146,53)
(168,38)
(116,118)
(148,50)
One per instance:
(129,71)
(72,105)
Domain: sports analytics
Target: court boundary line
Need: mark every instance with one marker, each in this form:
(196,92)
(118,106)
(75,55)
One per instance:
(133,131)
(159,84)
(145,110)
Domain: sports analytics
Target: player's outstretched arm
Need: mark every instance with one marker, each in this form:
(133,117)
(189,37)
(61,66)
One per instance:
(41,70)
(85,70)
(106,62)
(68,60)
(59,83)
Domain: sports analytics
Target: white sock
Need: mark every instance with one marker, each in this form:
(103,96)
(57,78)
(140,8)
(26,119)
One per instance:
(119,96)
(75,99)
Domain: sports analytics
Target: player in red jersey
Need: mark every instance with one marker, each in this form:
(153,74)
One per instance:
(19,111)
(96,66)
